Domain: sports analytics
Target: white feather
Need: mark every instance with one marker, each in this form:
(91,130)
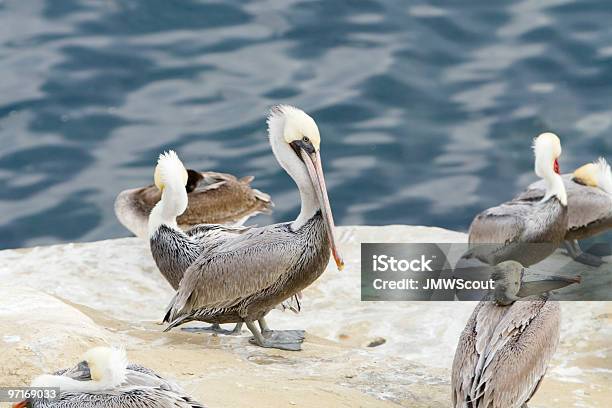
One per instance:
(280,119)
(603,175)
(107,365)
(547,149)
(172,176)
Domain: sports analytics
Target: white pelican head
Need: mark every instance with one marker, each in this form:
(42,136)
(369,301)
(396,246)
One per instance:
(547,149)
(296,141)
(597,174)
(170,171)
(101,368)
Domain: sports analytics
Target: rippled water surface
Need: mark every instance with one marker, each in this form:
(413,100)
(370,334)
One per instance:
(426,111)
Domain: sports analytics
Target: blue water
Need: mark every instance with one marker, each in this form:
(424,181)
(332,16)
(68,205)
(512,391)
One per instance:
(426,111)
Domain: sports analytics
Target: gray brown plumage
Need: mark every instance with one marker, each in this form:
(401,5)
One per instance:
(214,198)
(123,385)
(503,353)
(241,277)
(589,207)
(508,341)
(525,229)
(245,277)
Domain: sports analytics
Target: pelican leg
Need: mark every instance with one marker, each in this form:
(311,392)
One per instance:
(237,329)
(574,251)
(263,326)
(281,340)
(214,328)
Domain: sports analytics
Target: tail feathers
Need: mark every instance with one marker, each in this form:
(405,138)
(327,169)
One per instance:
(172,315)
(170,171)
(604,175)
(177,322)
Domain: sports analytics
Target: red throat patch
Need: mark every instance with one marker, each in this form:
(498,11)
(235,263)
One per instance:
(556,167)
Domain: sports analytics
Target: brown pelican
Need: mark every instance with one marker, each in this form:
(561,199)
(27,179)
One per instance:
(525,230)
(507,343)
(104,379)
(589,197)
(241,277)
(213,198)
(175,250)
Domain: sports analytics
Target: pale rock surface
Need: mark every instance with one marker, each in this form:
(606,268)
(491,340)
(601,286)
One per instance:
(57,301)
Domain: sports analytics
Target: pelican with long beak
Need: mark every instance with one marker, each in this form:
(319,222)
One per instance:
(508,341)
(213,198)
(242,278)
(525,230)
(589,197)
(105,379)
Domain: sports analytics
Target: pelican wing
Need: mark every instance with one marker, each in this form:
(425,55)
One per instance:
(138,375)
(224,275)
(124,397)
(590,206)
(513,346)
(471,345)
(503,224)
(586,205)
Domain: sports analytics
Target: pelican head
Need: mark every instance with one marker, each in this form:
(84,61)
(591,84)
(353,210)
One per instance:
(171,178)
(511,283)
(597,174)
(170,171)
(101,368)
(296,142)
(547,149)
(508,277)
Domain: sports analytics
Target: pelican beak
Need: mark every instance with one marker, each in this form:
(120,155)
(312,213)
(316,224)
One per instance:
(21,404)
(546,284)
(315,171)
(80,372)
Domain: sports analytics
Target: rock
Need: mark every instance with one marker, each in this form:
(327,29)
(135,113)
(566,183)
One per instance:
(41,333)
(379,341)
(64,299)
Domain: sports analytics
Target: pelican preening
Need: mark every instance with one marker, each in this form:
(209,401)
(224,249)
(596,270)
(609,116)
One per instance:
(213,198)
(175,250)
(589,197)
(525,230)
(240,276)
(105,379)
(507,343)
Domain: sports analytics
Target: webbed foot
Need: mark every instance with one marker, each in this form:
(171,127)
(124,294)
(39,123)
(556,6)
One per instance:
(290,340)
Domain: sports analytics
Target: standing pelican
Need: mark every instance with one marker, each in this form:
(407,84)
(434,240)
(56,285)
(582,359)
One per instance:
(104,379)
(213,198)
(240,278)
(175,250)
(589,197)
(525,230)
(507,343)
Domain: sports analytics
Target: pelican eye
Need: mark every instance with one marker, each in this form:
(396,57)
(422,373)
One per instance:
(305,139)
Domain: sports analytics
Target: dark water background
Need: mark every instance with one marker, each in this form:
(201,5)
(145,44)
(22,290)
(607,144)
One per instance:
(426,111)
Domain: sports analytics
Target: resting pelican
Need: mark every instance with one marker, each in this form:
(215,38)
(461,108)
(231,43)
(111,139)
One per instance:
(214,198)
(241,277)
(525,230)
(104,379)
(175,250)
(506,345)
(589,197)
